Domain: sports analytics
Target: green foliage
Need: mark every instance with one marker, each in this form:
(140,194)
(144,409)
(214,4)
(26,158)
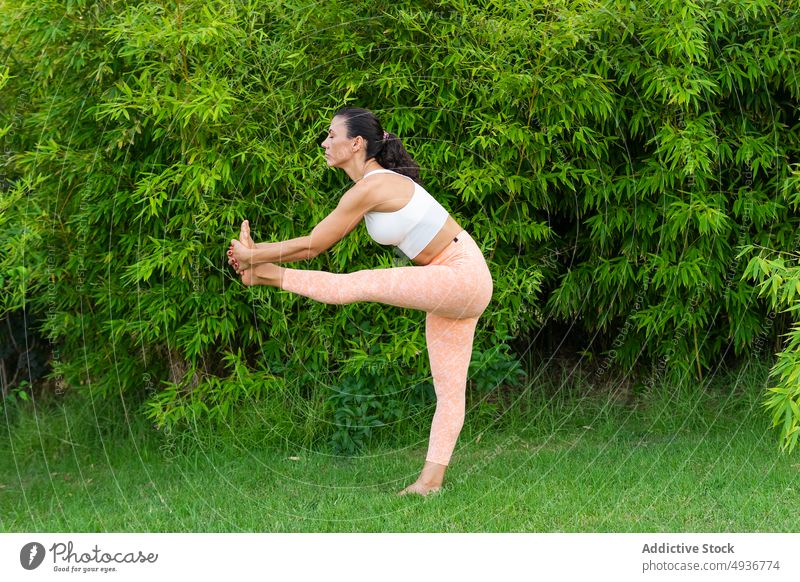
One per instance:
(23,355)
(779,281)
(362,403)
(612,160)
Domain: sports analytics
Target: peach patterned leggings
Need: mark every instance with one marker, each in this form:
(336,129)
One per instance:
(454,289)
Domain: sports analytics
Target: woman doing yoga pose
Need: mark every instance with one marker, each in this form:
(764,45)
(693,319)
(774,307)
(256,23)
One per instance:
(450,279)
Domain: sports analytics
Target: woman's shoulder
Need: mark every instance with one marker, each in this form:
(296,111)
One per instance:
(387,179)
(388,187)
(364,194)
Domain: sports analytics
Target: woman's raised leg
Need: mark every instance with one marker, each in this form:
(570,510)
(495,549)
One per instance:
(439,289)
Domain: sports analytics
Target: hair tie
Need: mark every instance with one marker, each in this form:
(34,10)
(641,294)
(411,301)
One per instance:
(385,135)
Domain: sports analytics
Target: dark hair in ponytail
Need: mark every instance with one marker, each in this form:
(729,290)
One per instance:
(389,151)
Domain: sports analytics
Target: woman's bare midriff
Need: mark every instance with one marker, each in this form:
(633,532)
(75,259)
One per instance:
(443,238)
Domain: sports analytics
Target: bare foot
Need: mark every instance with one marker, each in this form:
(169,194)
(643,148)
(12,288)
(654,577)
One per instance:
(244,239)
(420,489)
(263,274)
(429,481)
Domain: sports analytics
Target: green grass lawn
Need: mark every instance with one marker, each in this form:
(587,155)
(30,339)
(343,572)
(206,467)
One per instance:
(588,465)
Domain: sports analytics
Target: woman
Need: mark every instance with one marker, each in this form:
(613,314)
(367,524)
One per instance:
(451,281)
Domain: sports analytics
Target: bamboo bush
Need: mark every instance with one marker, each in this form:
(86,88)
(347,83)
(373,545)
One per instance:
(613,160)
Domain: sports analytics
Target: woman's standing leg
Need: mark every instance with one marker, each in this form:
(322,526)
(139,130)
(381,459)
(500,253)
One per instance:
(449,344)
(449,351)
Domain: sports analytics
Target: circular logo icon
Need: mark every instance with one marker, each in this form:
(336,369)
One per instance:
(31,556)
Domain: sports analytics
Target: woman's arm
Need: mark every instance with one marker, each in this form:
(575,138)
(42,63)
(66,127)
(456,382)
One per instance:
(332,229)
(295,249)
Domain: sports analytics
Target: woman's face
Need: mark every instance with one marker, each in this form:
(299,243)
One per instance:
(338,147)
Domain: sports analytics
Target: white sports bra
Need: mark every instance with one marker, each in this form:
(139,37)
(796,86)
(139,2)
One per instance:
(413,226)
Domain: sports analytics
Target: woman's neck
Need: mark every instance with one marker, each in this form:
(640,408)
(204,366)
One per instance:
(357,172)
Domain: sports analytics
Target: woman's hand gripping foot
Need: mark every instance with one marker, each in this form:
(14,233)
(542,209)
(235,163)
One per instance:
(240,257)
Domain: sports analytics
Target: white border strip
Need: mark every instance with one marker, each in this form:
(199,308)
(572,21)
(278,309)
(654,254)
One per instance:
(401,557)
